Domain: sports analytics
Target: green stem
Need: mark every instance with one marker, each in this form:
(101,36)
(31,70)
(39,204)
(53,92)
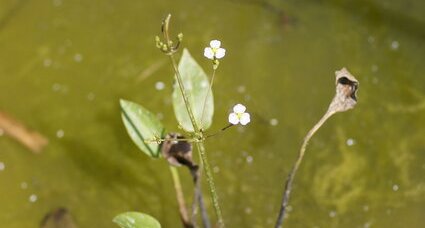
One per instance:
(210,180)
(208,93)
(184,95)
(180,197)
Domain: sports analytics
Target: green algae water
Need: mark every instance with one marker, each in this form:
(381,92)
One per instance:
(64,65)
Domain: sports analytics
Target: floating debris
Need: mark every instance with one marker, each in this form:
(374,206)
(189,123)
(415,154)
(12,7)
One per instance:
(2,166)
(332,214)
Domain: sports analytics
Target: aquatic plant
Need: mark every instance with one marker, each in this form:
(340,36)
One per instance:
(193,105)
(194,108)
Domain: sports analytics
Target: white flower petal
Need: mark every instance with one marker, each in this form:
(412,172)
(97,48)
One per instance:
(233,118)
(245,118)
(209,53)
(215,44)
(239,108)
(220,53)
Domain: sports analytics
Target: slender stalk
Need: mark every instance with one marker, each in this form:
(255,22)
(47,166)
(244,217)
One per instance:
(291,176)
(198,199)
(208,93)
(184,95)
(180,198)
(210,180)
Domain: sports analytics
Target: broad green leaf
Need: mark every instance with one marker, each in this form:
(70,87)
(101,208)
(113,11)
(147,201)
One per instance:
(136,220)
(196,85)
(142,125)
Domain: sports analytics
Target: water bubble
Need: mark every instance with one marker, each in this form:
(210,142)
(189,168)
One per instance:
(47,62)
(249,159)
(371,39)
(374,68)
(24,185)
(395,188)
(365,208)
(248,210)
(350,142)
(91,96)
(159,85)
(216,169)
(332,214)
(60,133)
(78,57)
(274,122)
(57,3)
(241,89)
(394,45)
(367,225)
(33,198)
(56,87)
(2,166)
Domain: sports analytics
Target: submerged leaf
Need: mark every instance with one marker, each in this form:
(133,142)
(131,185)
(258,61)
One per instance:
(136,220)
(142,126)
(196,85)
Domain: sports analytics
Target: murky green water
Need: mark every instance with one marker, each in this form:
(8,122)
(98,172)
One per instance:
(64,65)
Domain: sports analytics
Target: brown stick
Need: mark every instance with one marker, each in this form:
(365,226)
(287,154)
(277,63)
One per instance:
(31,139)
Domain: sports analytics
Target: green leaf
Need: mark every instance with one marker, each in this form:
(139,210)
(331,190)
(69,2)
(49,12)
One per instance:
(136,220)
(196,84)
(142,125)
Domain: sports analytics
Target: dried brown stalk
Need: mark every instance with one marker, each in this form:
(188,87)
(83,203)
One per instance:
(31,139)
(344,99)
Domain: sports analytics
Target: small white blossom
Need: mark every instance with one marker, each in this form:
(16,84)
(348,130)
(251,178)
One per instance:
(214,51)
(239,115)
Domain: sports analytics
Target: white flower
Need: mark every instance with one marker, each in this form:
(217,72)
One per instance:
(214,51)
(239,115)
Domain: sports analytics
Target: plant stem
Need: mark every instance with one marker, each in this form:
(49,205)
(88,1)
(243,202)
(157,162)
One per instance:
(291,176)
(208,93)
(180,198)
(198,199)
(210,180)
(184,95)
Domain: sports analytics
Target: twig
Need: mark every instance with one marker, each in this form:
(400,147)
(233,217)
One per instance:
(344,99)
(180,198)
(31,139)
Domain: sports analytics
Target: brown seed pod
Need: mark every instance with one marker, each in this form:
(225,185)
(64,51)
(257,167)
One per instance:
(346,92)
(178,151)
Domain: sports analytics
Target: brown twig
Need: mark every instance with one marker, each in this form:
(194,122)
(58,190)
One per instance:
(198,198)
(345,99)
(31,139)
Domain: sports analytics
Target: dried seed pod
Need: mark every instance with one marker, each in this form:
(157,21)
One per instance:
(346,92)
(178,151)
